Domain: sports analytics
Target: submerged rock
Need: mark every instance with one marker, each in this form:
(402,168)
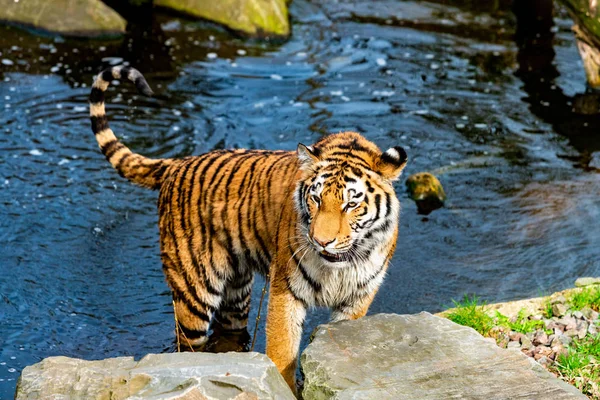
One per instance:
(427,191)
(156,376)
(255,18)
(421,356)
(88,18)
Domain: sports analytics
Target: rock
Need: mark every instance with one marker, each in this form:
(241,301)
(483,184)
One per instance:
(421,356)
(578,314)
(563,340)
(255,18)
(526,343)
(540,338)
(589,314)
(544,361)
(427,191)
(569,322)
(515,336)
(587,281)
(541,351)
(559,309)
(513,345)
(558,299)
(156,376)
(86,18)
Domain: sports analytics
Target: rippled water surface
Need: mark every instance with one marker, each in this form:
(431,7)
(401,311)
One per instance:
(505,124)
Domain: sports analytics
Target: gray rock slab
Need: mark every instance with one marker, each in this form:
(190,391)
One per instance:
(190,376)
(389,356)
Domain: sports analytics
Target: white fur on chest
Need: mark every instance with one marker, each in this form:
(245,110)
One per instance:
(338,285)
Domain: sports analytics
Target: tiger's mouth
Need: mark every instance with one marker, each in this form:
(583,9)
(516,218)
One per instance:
(333,258)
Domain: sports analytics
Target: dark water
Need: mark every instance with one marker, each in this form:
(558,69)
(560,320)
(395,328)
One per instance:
(504,121)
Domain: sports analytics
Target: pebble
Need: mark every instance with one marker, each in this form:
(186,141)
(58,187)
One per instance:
(540,338)
(587,281)
(559,309)
(6,61)
(513,345)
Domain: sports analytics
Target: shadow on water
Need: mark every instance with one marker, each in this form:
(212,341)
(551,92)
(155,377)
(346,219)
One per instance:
(493,103)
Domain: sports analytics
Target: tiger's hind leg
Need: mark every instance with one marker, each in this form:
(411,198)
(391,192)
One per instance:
(230,331)
(198,284)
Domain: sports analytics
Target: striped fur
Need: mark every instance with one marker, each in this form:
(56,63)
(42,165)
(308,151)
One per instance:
(321,221)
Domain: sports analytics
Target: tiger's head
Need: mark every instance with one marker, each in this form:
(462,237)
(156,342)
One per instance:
(345,198)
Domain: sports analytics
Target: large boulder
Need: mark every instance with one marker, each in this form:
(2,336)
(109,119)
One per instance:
(87,18)
(388,356)
(258,18)
(192,376)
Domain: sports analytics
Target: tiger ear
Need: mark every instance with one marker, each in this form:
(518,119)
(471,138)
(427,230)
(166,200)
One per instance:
(391,163)
(307,155)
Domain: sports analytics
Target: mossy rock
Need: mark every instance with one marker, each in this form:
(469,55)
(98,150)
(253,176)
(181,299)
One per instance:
(257,18)
(87,18)
(427,191)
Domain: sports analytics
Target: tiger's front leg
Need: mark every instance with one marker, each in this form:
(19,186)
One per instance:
(284,328)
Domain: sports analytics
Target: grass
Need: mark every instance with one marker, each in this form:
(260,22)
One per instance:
(468,312)
(588,297)
(521,323)
(580,366)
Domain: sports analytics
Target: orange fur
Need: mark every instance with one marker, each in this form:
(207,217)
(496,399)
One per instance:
(321,222)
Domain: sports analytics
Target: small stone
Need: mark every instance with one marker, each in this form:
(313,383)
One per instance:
(558,299)
(6,61)
(587,281)
(540,338)
(589,314)
(513,345)
(578,314)
(569,322)
(558,350)
(541,351)
(515,336)
(526,343)
(537,317)
(559,309)
(544,361)
(592,329)
(528,352)
(582,329)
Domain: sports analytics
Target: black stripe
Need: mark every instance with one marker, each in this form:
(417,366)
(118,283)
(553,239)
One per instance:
(377,205)
(388,204)
(125,72)
(316,286)
(107,75)
(122,160)
(294,294)
(96,96)
(192,333)
(99,123)
(110,148)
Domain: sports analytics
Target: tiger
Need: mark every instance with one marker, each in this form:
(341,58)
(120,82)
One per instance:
(320,223)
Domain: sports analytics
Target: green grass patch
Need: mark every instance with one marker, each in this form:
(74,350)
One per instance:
(580,366)
(588,297)
(521,323)
(468,312)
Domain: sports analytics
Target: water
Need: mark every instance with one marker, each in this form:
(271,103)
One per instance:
(81,274)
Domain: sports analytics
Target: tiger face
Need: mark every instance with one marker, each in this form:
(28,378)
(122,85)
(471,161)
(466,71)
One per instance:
(345,198)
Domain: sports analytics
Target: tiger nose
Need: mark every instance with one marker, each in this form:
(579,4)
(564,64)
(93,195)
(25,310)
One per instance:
(324,242)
